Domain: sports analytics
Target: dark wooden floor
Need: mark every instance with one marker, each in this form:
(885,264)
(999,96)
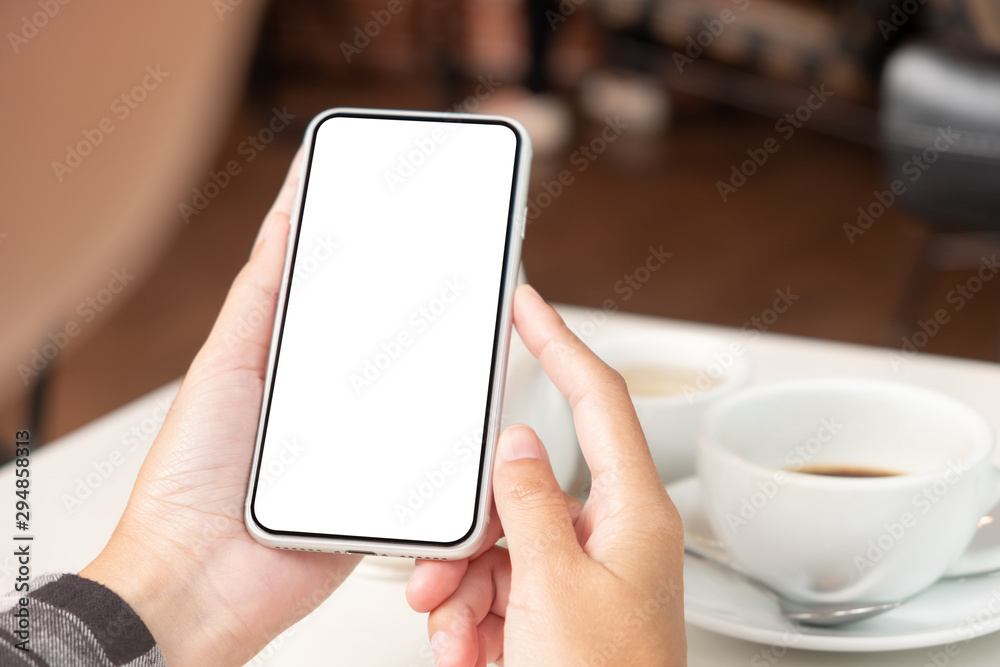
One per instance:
(782,231)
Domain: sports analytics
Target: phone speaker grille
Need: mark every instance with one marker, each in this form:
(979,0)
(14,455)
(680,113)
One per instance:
(314,550)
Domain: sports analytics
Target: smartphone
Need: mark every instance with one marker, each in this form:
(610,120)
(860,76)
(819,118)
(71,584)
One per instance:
(384,386)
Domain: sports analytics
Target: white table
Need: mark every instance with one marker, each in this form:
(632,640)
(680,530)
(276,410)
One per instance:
(81,483)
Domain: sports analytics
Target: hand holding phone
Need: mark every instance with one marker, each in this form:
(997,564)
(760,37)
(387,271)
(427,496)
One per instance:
(385,378)
(598,583)
(180,555)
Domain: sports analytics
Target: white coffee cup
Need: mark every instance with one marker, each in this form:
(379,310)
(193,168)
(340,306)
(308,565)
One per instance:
(672,378)
(828,538)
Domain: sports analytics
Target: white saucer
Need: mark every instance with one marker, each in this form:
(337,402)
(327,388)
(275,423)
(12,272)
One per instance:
(952,610)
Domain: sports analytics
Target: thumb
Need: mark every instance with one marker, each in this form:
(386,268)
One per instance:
(531,506)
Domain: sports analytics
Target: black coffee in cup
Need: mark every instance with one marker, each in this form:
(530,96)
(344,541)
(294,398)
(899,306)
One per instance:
(838,470)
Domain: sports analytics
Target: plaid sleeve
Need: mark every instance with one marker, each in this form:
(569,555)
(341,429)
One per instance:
(73,621)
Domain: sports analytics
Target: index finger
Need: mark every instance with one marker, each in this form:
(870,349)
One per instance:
(606,425)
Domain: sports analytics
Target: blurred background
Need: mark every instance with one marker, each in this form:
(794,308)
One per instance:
(841,156)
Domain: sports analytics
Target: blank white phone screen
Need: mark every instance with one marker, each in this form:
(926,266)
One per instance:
(381,387)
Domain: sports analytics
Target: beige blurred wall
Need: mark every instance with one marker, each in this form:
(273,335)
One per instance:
(144,89)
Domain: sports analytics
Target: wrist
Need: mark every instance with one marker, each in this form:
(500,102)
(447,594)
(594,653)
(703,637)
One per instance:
(166,592)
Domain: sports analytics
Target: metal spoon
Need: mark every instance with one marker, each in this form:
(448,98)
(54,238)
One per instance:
(820,614)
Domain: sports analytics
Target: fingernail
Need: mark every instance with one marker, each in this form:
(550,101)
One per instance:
(531,289)
(520,443)
(440,643)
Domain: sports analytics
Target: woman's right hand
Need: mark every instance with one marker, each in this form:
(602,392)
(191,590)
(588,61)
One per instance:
(594,584)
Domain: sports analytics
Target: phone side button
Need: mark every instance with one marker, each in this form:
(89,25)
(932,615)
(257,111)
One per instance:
(524,221)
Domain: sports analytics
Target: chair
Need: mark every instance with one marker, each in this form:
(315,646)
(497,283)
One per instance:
(940,128)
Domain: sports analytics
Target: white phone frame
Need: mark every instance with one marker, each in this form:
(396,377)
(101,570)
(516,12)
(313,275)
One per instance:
(516,223)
